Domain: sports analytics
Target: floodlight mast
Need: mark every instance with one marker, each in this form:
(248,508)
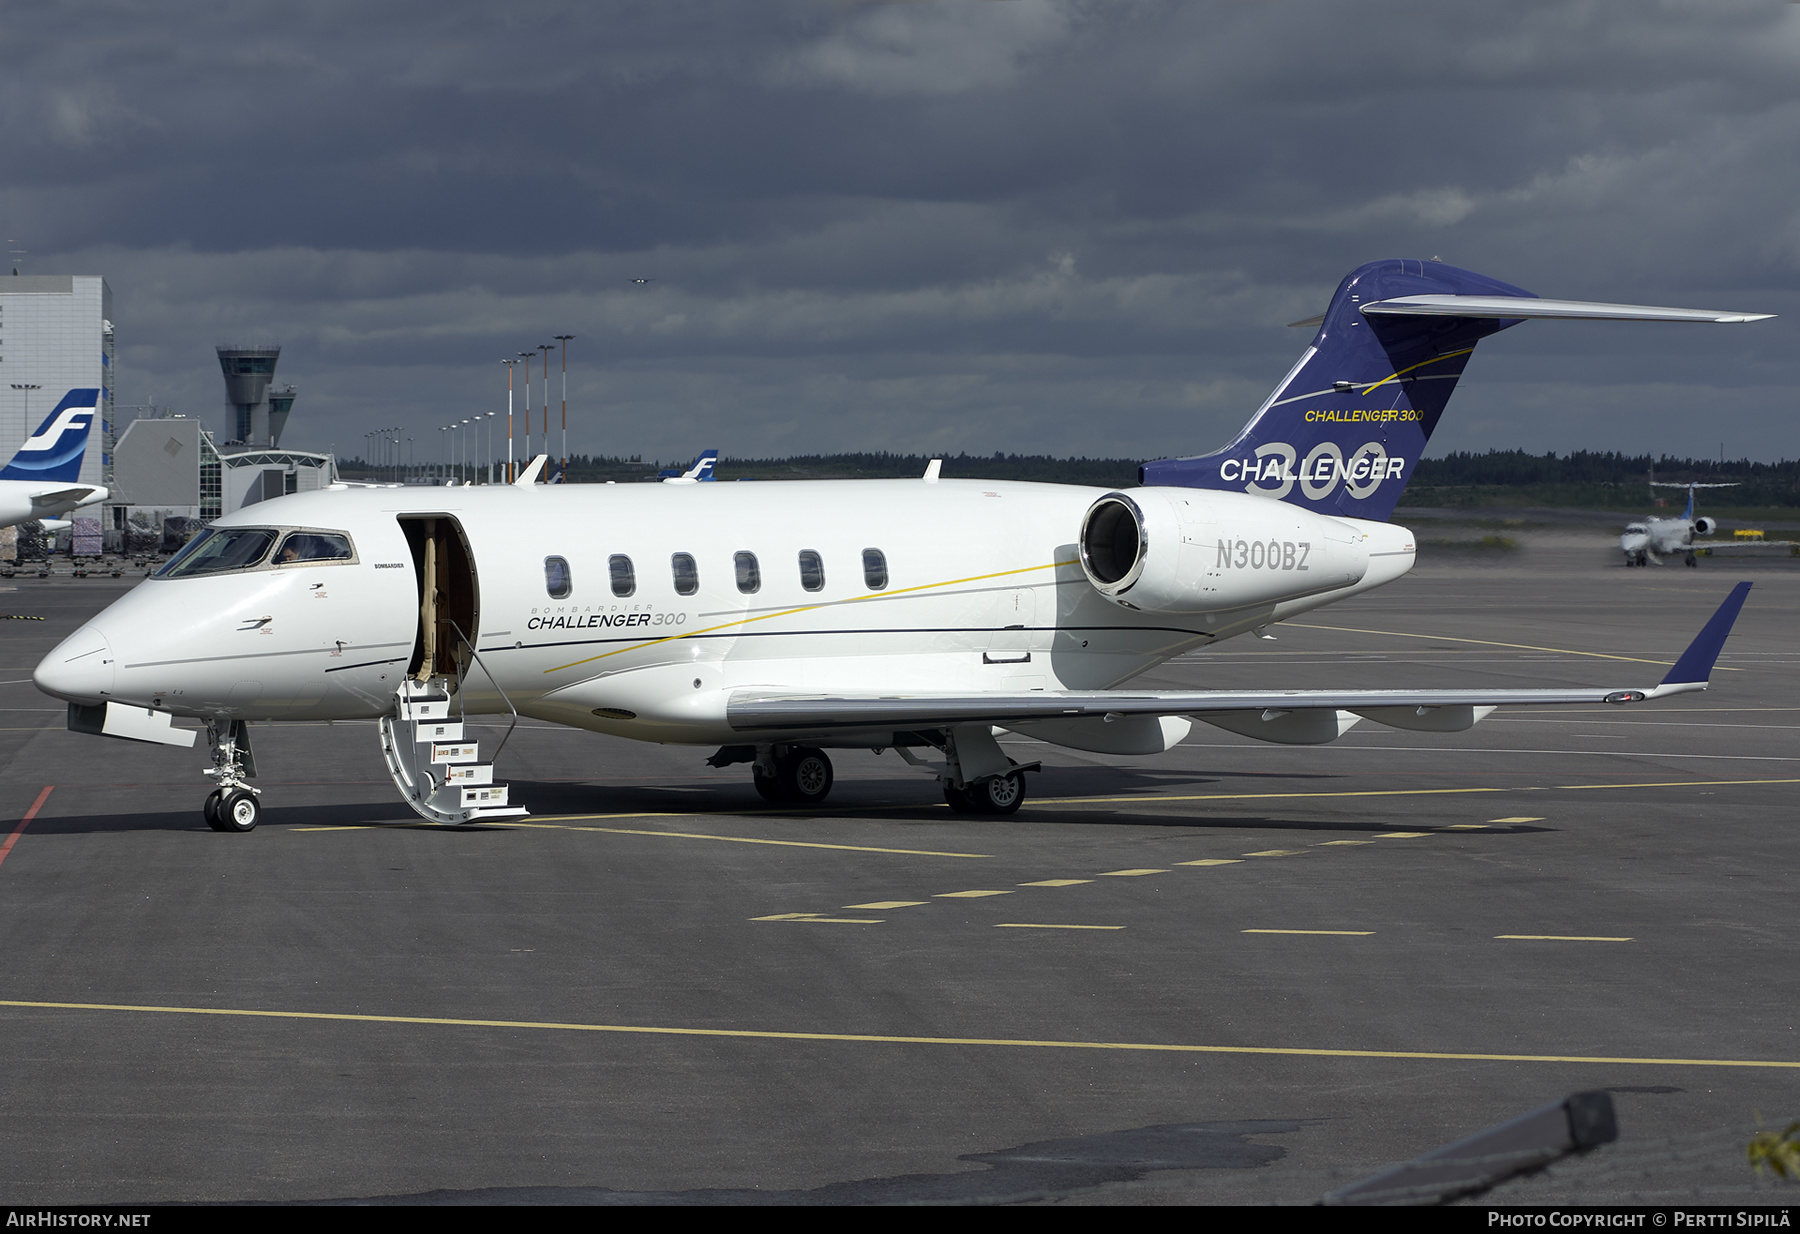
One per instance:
(526,355)
(546,348)
(563,469)
(510,456)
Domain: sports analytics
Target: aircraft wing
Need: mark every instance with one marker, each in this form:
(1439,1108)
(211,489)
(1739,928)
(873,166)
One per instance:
(750,710)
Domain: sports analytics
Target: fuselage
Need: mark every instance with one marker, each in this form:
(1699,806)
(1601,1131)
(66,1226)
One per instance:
(638,609)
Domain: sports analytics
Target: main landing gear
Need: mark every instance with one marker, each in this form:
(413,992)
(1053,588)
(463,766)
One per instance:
(233,805)
(1002,794)
(794,775)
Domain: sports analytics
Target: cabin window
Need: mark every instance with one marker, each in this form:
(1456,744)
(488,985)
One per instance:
(219,549)
(749,576)
(687,574)
(874,569)
(624,581)
(556,578)
(304,546)
(812,570)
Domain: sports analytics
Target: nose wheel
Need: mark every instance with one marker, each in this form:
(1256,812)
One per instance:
(232,806)
(232,810)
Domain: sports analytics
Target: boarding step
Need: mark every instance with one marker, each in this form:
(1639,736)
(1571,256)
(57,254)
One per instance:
(436,767)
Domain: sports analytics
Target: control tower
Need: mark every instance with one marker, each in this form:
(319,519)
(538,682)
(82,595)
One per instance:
(257,417)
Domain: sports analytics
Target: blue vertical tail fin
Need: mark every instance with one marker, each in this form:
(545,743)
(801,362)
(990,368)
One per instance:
(54,452)
(1343,432)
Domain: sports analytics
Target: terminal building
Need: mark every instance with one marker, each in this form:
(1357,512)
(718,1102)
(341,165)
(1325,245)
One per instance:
(170,466)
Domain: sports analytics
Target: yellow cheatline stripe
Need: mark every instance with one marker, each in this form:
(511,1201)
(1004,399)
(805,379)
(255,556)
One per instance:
(693,835)
(811,608)
(1434,360)
(1390,792)
(1488,642)
(1148,1047)
(1566,938)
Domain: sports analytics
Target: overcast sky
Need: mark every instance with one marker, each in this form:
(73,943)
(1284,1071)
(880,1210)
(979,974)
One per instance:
(1023,225)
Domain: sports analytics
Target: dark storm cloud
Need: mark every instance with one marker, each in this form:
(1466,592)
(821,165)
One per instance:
(1025,225)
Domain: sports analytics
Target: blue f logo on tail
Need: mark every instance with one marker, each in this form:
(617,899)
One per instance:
(54,451)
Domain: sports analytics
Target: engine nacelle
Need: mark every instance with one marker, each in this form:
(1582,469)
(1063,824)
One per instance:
(1184,550)
(1705,526)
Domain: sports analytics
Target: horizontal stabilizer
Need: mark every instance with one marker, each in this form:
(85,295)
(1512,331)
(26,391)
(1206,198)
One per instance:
(1519,307)
(65,496)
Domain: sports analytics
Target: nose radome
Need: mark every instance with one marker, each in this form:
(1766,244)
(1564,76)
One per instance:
(79,669)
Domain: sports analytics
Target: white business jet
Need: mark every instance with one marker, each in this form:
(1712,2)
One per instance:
(41,481)
(778,620)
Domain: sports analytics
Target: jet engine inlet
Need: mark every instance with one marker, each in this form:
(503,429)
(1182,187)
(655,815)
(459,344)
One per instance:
(1113,543)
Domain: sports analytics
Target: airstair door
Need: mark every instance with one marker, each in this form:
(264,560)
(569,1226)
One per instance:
(449,596)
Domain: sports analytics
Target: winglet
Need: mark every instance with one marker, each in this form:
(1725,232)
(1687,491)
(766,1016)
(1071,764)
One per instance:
(529,476)
(1696,663)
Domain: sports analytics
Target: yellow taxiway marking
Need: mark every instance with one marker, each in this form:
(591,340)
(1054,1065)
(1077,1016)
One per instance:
(1043,925)
(1566,938)
(1149,1047)
(693,835)
(1328,843)
(1128,873)
(1401,835)
(1488,642)
(1351,933)
(968,895)
(1213,861)
(1389,792)
(1277,852)
(890,904)
(1519,818)
(820,919)
(1057,882)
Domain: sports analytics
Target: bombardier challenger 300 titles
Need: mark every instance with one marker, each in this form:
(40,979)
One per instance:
(775,621)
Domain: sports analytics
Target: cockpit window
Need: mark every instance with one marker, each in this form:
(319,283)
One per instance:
(218,550)
(313,546)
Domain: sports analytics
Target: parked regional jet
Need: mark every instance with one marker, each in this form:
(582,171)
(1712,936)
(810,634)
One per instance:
(775,621)
(40,482)
(1648,539)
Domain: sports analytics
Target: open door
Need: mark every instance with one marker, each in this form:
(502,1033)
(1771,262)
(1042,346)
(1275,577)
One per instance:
(449,597)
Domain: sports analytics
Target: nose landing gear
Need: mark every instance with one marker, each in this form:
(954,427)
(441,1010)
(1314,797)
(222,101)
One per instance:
(233,805)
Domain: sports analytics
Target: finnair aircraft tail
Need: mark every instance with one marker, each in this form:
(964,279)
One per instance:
(1344,430)
(41,482)
(700,473)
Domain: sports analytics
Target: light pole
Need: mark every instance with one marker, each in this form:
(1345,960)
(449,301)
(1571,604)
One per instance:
(527,357)
(441,428)
(510,456)
(490,449)
(546,348)
(564,340)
